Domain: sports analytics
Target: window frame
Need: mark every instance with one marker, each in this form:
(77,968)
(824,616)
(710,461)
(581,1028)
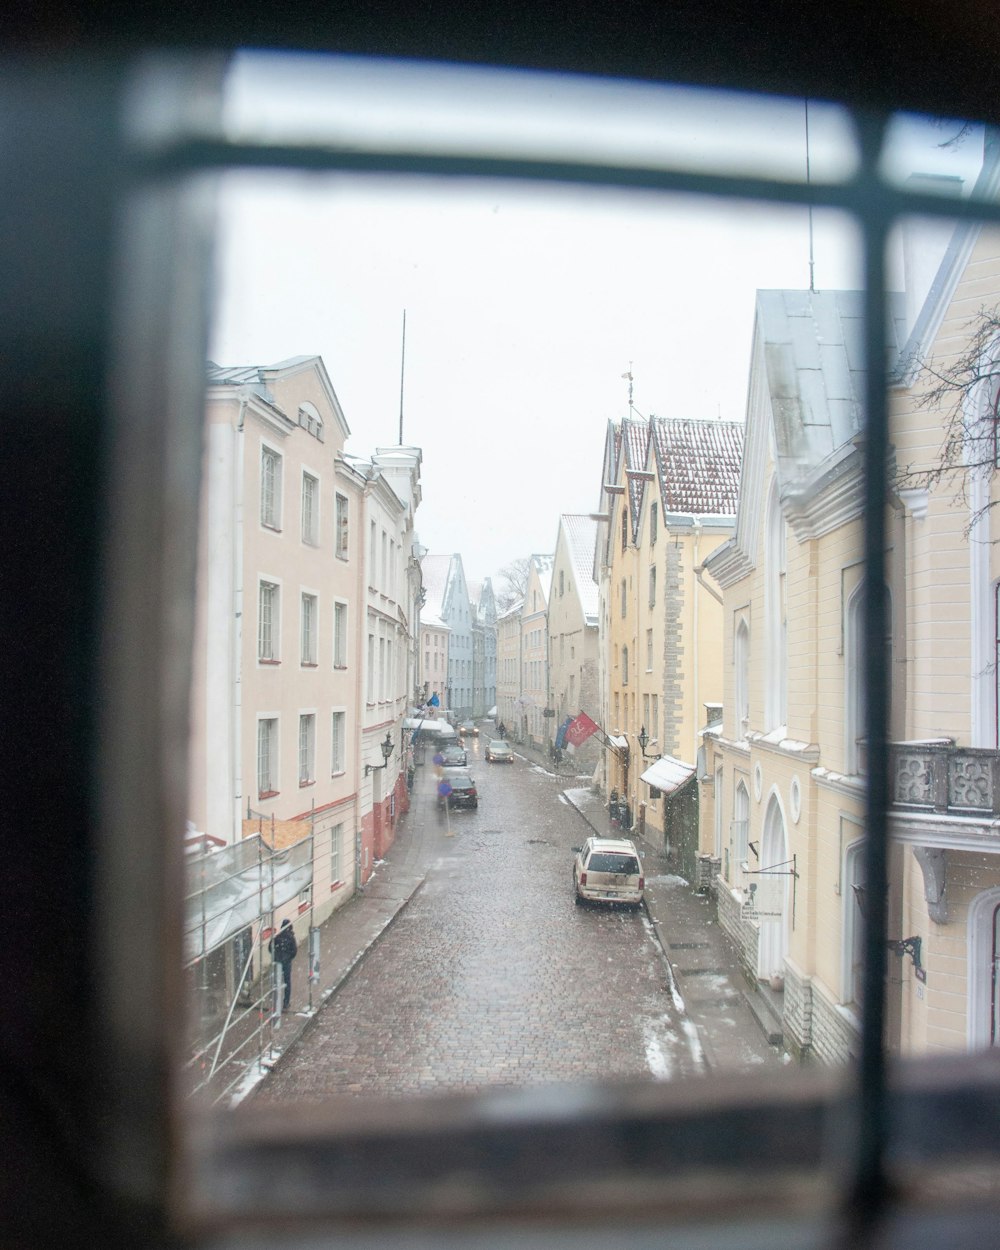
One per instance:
(271,472)
(602,1115)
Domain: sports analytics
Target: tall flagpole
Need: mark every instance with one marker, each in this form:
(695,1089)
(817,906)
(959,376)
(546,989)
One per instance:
(402,374)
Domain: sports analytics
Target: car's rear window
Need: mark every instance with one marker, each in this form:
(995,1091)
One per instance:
(602,862)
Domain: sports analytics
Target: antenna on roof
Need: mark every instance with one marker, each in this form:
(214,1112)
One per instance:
(402,373)
(812,261)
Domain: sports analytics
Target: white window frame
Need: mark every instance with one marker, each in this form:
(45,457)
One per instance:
(271,470)
(310,509)
(268,748)
(338,741)
(309,628)
(307,748)
(341,633)
(342,525)
(268,621)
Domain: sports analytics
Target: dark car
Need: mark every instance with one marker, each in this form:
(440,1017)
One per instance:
(454,756)
(468,729)
(462,792)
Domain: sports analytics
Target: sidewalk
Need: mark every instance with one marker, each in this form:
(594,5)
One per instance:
(354,928)
(701,958)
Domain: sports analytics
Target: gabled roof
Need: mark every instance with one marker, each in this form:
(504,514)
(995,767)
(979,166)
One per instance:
(697,465)
(581,537)
(635,440)
(258,378)
(543,567)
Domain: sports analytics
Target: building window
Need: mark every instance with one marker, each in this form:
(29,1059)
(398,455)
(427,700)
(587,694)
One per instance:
(337,751)
(267,622)
(267,750)
(624,528)
(342,527)
(624,596)
(307,749)
(310,509)
(653,518)
(562,584)
(270,488)
(336,842)
(310,609)
(652,585)
(649,650)
(370,684)
(624,666)
(340,635)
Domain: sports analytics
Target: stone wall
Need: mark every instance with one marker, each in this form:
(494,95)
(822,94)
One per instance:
(835,1035)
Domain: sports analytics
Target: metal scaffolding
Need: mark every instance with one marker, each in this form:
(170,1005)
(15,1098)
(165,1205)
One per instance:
(234,994)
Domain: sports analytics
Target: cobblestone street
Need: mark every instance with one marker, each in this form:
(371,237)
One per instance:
(492,976)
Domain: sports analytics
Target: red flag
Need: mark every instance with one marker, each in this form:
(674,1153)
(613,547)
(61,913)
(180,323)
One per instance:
(580,730)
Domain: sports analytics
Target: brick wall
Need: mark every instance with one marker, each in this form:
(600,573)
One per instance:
(743,934)
(835,1036)
(797,1012)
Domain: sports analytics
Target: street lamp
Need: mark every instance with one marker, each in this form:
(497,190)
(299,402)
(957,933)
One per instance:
(387,746)
(644,742)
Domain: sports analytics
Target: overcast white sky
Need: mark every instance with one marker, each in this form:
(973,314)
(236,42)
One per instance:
(524,307)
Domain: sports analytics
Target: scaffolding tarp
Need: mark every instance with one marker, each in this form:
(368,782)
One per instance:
(234,887)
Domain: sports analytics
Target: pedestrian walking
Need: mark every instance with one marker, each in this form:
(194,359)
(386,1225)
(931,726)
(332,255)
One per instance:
(284,947)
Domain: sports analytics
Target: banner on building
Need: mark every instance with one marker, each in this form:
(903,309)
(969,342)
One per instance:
(579,730)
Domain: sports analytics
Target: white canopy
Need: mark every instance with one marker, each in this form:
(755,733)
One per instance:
(667,774)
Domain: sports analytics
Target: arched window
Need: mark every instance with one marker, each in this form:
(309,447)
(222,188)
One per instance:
(739,832)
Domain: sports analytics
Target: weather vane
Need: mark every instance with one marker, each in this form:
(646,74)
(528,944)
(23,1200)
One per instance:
(628,378)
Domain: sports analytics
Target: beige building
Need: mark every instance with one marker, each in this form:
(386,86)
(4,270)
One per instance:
(533,700)
(671,502)
(788,767)
(573,633)
(509,666)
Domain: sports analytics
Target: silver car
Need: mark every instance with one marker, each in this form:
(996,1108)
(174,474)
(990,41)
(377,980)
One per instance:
(608,870)
(499,752)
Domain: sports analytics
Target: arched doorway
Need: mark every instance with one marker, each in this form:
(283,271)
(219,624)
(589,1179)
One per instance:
(984,984)
(774,882)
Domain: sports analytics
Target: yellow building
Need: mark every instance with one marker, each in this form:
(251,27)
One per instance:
(671,503)
(788,764)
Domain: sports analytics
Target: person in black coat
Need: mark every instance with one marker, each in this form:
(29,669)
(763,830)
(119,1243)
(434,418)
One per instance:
(285,948)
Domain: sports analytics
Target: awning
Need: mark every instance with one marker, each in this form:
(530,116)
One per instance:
(667,774)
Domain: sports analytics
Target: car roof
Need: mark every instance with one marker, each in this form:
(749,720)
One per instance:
(499,742)
(612,845)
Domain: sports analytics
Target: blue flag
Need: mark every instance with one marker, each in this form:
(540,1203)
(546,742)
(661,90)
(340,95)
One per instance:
(434,701)
(561,733)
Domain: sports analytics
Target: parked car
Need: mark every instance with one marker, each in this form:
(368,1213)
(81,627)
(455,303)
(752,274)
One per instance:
(499,752)
(463,789)
(468,729)
(608,870)
(454,756)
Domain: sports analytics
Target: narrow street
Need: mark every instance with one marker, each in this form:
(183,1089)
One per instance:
(492,976)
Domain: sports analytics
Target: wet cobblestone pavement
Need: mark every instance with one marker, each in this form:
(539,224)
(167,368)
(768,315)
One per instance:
(492,976)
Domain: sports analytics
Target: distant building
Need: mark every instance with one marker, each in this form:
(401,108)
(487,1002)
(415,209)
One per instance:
(573,634)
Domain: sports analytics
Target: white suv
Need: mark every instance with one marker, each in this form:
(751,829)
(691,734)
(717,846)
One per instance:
(608,870)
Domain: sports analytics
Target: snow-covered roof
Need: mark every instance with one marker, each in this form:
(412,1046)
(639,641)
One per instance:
(698,465)
(635,439)
(667,774)
(813,350)
(581,537)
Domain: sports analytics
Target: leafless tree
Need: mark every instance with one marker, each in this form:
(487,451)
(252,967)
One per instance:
(513,583)
(967,394)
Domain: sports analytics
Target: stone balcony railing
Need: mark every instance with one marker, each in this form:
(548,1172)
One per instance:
(940,777)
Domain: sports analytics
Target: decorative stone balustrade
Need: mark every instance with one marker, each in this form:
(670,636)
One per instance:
(941,777)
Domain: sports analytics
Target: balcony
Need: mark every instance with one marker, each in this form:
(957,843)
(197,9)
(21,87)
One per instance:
(937,776)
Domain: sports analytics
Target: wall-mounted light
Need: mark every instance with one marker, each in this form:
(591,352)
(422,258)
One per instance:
(899,946)
(387,746)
